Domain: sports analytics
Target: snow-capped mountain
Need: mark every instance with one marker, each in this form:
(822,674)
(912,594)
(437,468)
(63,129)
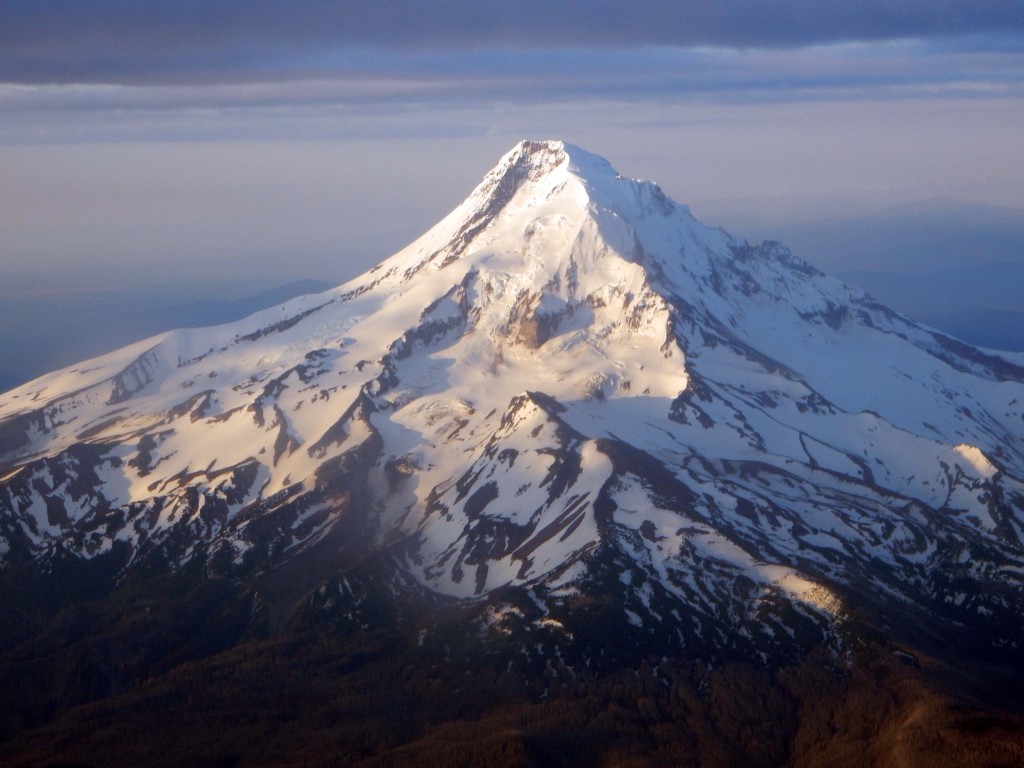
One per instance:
(568,387)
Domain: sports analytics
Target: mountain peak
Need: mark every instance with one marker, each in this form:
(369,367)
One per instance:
(538,158)
(546,169)
(550,203)
(528,163)
(599,430)
(701,413)
(535,155)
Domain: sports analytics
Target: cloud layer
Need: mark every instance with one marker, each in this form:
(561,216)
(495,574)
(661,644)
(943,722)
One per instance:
(131,41)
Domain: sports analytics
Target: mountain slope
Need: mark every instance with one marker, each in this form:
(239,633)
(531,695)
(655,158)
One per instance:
(569,399)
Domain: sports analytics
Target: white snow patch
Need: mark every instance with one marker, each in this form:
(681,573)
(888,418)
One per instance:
(976,459)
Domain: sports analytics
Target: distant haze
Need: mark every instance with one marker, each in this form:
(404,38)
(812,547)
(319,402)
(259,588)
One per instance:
(333,207)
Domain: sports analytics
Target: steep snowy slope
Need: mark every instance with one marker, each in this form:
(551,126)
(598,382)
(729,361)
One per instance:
(569,385)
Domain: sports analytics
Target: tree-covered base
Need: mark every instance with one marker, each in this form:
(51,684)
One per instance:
(320,693)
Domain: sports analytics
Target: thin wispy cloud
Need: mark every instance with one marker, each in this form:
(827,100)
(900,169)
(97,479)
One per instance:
(369,84)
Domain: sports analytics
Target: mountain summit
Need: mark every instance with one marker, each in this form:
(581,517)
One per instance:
(568,399)
(567,364)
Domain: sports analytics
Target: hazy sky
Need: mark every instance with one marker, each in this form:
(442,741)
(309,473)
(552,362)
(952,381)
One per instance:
(141,140)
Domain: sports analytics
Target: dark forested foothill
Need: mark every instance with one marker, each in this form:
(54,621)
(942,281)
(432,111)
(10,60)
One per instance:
(178,669)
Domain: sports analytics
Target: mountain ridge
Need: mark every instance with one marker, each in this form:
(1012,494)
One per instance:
(572,414)
(571,258)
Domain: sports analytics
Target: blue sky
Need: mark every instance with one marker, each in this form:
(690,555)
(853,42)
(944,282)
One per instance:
(311,139)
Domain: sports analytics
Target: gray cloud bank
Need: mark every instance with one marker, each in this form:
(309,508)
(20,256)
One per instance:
(120,70)
(131,41)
